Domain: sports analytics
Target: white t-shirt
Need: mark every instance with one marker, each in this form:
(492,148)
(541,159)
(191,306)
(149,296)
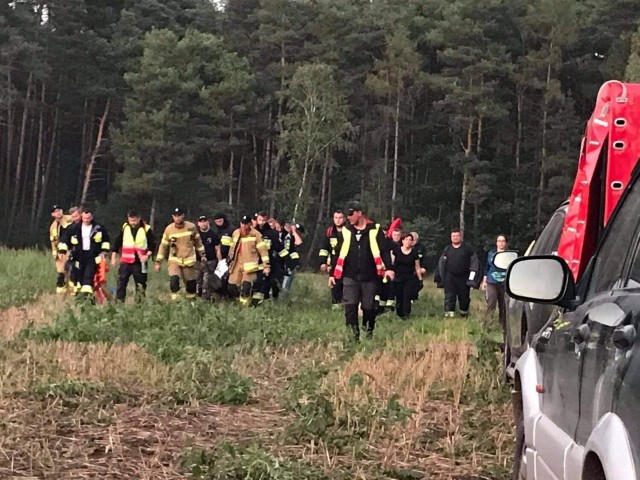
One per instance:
(86,237)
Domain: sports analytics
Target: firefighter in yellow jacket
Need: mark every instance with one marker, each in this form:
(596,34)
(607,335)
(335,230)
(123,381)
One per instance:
(248,255)
(180,242)
(60,222)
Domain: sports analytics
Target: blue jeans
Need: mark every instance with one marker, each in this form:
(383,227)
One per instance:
(287,282)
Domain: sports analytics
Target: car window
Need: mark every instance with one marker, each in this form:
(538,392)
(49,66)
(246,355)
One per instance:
(618,242)
(549,239)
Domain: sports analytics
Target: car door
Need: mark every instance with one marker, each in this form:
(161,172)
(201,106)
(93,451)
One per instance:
(576,353)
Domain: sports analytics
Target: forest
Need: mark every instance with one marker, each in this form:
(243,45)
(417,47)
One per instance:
(445,112)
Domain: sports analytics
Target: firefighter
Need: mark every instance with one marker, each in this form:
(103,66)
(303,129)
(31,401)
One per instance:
(88,245)
(207,281)
(247,253)
(73,286)
(179,245)
(328,255)
(56,232)
(224,230)
(269,285)
(292,258)
(363,260)
(136,244)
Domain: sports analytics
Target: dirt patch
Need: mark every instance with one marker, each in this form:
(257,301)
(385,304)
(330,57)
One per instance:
(41,312)
(48,440)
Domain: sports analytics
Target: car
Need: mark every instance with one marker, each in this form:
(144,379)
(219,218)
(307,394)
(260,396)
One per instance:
(576,393)
(525,319)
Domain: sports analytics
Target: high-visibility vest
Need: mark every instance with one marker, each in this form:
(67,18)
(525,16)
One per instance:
(132,246)
(346,244)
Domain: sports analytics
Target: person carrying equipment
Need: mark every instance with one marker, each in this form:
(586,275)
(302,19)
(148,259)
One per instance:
(179,245)
(88,244)
(248,250)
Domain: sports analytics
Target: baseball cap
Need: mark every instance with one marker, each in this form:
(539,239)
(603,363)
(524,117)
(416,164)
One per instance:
(353,206)
(55,207)
(218,216)
(299,227)
(246,219)
(202,218)
(133,213)
(177,211)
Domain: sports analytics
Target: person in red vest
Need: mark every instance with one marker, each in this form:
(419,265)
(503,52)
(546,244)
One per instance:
(136,244)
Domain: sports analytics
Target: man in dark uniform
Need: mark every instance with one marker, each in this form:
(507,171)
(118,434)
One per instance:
(207,281)
(363,261)
(458,270)
(269,285)
(328,255)
(88,244)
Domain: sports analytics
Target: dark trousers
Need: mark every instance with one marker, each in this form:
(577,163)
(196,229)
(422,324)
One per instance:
(86,270)
(405,290)
(360,292)
(336,293)
(125,271)
(456,289)
(495,295)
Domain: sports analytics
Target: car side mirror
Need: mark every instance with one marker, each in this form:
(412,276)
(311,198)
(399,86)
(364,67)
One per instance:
(541,279)
(502,260)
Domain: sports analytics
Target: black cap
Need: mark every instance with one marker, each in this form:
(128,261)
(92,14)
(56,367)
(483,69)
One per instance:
(300,228)
(55,207)
(353,206)
(218,216)
(246,219)
(133,214)
(177,211)
(202,217)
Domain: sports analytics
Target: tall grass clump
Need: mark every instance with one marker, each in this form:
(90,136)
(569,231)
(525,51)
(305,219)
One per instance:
(24,275)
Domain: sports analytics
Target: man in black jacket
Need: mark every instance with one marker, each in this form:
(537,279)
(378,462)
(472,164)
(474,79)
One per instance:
(328,255)
(207,281)
(269,285)
(458,270)
(88,244)
(223,228)
(363,261)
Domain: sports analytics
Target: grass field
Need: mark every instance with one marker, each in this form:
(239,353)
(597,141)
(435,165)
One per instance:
(163,390)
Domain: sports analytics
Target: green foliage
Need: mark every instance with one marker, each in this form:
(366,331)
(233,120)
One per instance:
(227,462)
(24,275)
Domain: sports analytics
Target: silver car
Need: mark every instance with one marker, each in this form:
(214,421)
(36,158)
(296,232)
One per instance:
(577,386)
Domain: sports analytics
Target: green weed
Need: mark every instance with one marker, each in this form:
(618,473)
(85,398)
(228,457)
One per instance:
(228,462)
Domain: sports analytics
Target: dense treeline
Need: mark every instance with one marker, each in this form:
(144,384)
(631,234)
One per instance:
(445,112)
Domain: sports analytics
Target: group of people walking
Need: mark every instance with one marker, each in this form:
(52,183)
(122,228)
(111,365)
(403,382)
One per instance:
(253,262)
(371,269)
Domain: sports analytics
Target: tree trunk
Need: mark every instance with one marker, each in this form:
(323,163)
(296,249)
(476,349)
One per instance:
(465,176)
(9,162)
(543,150)
(394,188)
(94,154)
(323,198)
(231,159)
(519,132)
(18,177)
(152,213)
(239,185)
(88,125)
(47,170)
(37,176)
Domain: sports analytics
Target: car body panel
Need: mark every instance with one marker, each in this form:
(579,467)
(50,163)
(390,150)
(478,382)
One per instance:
(610,441)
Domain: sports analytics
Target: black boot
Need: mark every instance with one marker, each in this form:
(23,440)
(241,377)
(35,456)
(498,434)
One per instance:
(351,318)
(369,321)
